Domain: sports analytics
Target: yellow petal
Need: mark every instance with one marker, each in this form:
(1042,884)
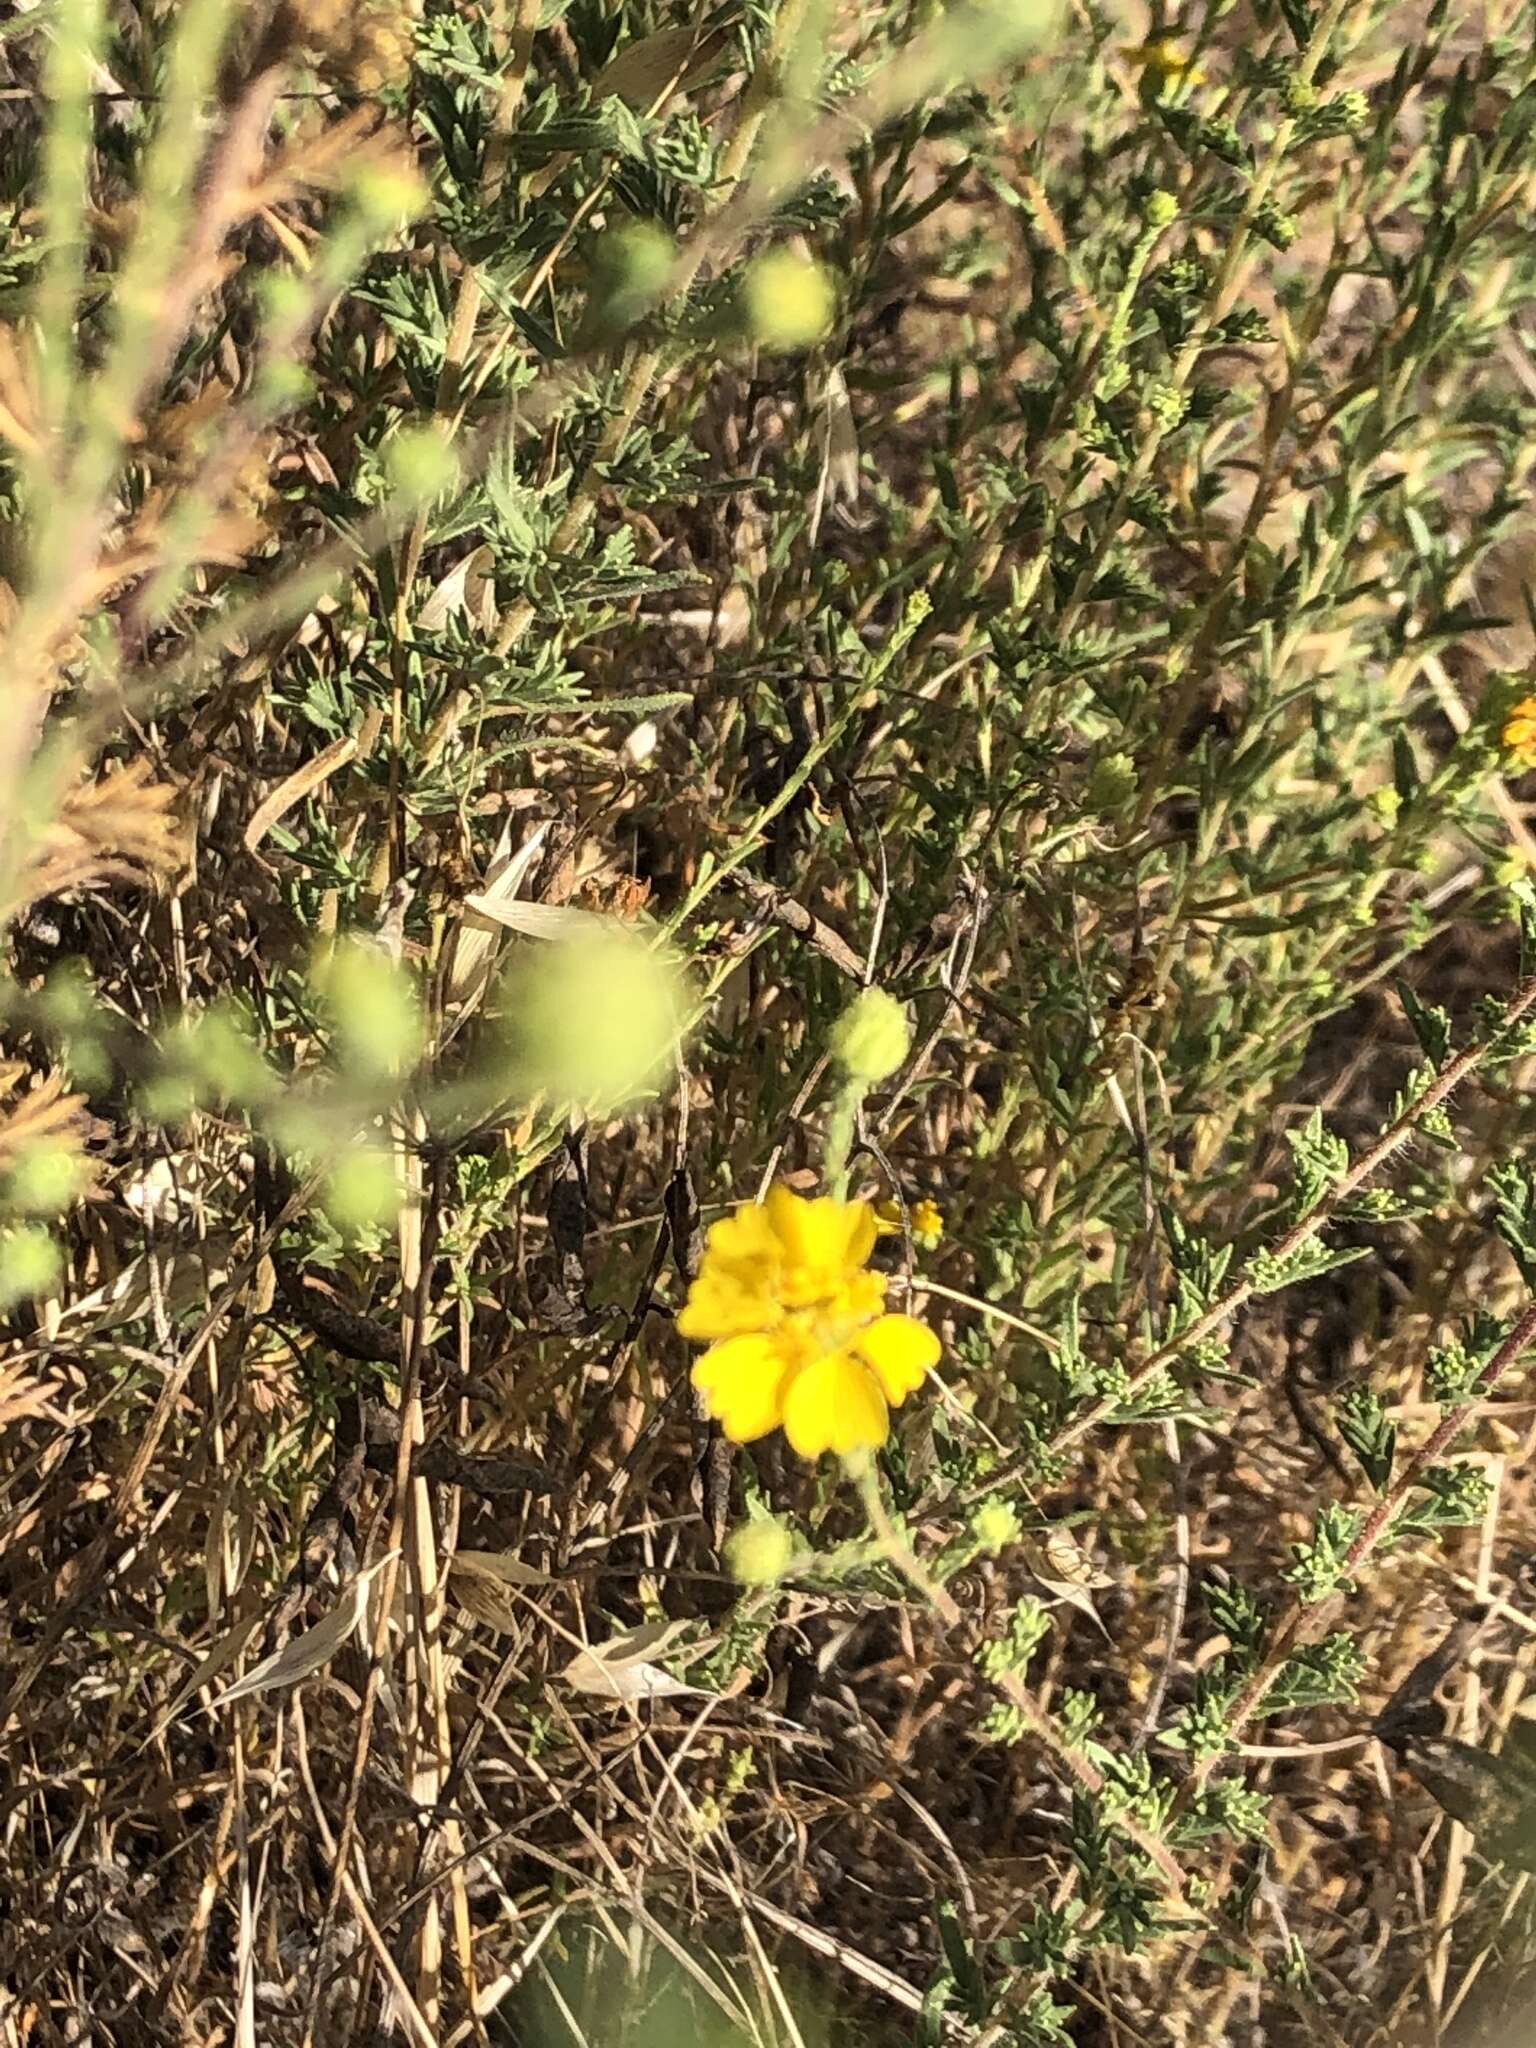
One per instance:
(861,1296)
(863,1229)
(902,1351)
(744,1235)
(835,1405)
(1165,58)
(741,1381)
(721,1307)
(825,1235)
(790,1217)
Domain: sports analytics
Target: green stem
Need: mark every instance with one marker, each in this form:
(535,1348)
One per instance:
(840,1137)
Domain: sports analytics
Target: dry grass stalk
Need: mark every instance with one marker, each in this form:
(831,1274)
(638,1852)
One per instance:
(118,826)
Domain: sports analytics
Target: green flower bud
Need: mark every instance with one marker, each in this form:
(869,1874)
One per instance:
(1167,405)
(421,464)
(374,1010)
(788,300)
(223,1061)
(285,299)
(760,1552)
(995,1525)
(872,1037)
(1386,802)
(361,1190)
(632,265)
(29,1262)
(45,1180)
(1161,209)
(594,1019)
(387,194)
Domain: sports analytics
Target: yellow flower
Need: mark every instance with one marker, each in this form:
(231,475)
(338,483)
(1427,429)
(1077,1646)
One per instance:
(925,1217)
(796,1327)
(1520,733)
(1164,60)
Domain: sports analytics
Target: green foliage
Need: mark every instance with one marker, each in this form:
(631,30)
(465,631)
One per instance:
(1431,1026)
(1453,1497)
(1318,1567)
(30,1262)
(1009,1653)
(1451,1370)
(606,601)
(1513,1187)
(1322,1158)
(1269,1274)
(1200,1269)
(1363,1424)
(1320,1675)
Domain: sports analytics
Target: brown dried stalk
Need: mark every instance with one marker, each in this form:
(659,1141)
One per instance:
(115,828)
(22,1396)
(44,1115)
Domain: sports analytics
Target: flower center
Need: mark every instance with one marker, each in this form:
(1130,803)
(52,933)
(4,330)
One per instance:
(810,1333)
(804,1287)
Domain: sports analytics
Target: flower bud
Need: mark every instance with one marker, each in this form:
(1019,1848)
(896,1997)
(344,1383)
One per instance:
(789,300)
(872,1037)
(29,1263)
(760,1552)
(995,1525)
(1161,209)
(595,1019)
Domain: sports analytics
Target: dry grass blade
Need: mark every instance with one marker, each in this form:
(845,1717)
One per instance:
(623,1667)
(504,1567)
(670,60)
(294,788)
(177,1279)
(539,920)
(310,1652)
(485,1583)
(23,1396)
(479,932)
(876,503)
(223,1653)
(468,589)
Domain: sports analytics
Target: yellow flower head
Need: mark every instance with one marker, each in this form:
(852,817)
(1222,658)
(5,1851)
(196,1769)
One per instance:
(1164,60)
(796,1327)
(1520,733)
(926,1219)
